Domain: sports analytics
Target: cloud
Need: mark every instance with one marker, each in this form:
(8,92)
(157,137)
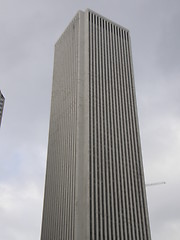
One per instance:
(167,48)
(18,206)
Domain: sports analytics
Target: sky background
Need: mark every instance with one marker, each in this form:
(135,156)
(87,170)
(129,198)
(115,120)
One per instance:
(29,30)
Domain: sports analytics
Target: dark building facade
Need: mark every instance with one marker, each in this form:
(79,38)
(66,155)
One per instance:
(95,188)
(2,100)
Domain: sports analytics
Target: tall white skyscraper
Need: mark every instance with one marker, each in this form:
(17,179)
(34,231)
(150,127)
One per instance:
(95,188)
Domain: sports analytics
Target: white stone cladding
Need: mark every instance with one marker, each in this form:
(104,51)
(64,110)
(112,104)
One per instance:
(95,187)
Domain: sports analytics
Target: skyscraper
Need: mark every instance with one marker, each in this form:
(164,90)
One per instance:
(2,100)
(95,187)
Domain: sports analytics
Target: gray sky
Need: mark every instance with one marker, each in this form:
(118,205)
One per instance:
(29,30)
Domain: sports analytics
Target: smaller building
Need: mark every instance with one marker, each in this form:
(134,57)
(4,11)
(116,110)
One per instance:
(2,100)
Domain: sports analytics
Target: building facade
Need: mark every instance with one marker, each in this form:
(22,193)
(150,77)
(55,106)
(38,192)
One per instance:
(2,100)
(95,188)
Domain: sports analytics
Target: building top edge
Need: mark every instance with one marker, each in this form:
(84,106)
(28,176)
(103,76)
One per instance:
(93,12)
(1,95)
(73,19)
(101,16)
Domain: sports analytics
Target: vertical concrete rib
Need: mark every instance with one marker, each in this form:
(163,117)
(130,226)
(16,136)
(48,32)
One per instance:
(131,147)
(111,133)
(106,93)
(100,232)
(90,128)
(95,134)
(126,158)
(104,202)
(122,135)
(115,134)
(118,142)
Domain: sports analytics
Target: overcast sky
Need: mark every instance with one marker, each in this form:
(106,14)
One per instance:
(29,30)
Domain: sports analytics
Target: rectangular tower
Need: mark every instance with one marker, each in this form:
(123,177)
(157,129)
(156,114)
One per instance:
(95,187)
(2,100)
